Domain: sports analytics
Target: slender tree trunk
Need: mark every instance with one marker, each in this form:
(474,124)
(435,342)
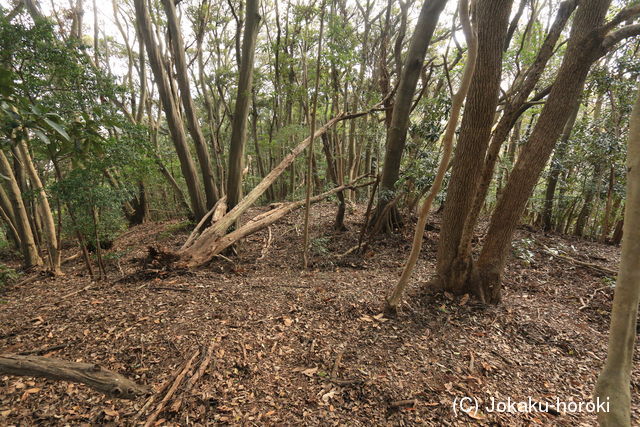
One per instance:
(397,132)
(395,298)
(170,108)
(609,207)
(45,210)
(614,381)
(29,248)
(6,210)
(312,120)
(243,99)
(177,48)
(555,169)
(589,194)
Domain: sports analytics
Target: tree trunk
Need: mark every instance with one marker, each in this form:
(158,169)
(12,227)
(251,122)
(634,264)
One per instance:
(29,248)
(515,105)
(475,131)
(584,47)
(609,207)
(397,132)
(170,108)
(45,210)
(614,382)
(241,112)
(94,376)
(590,193)
(554,170)
(395,298)
(177,49)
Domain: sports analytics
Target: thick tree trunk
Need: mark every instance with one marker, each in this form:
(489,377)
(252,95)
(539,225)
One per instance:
(177,49)
(584,47)
(170,108)
(457,259)
(614,381)
(395,298)
(397,132)
(243,99)
(475,131)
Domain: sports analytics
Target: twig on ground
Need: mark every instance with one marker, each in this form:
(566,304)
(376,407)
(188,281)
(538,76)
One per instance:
(176,383)
(86,288)
(596,267)
(195,377)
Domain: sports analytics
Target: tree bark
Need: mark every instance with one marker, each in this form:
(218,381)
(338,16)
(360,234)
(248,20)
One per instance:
(397,132)
(102,380)
(585,46)
(241,112)
(475,131)
(555,169)
(45,210)
(177,49)
(395,298)
(614,381)
(29,248)
(170,108)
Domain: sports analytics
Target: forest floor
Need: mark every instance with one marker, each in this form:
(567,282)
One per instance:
(311,348)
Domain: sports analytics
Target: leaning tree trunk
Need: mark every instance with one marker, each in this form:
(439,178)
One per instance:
(585,46)
(475,132)
(243,98)
(49,224)
(397,133)
(170,108)
(29,248)
(614,381)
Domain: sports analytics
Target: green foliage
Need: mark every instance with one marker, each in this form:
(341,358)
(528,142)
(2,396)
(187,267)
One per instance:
(7,275)
(319,246)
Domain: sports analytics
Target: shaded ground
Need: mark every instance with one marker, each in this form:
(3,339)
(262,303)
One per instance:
(308,348)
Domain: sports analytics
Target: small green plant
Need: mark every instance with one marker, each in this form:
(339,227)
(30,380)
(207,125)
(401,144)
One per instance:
(319,246)
(7,275)
(609,281)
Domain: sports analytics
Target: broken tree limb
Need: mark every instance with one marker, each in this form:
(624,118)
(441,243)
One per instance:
(203,253)
(92,375)
(163,403)
(215,213)
(590,265)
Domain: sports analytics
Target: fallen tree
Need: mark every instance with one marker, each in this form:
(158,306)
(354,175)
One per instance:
(201,248)
(205,253)
(92,375)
